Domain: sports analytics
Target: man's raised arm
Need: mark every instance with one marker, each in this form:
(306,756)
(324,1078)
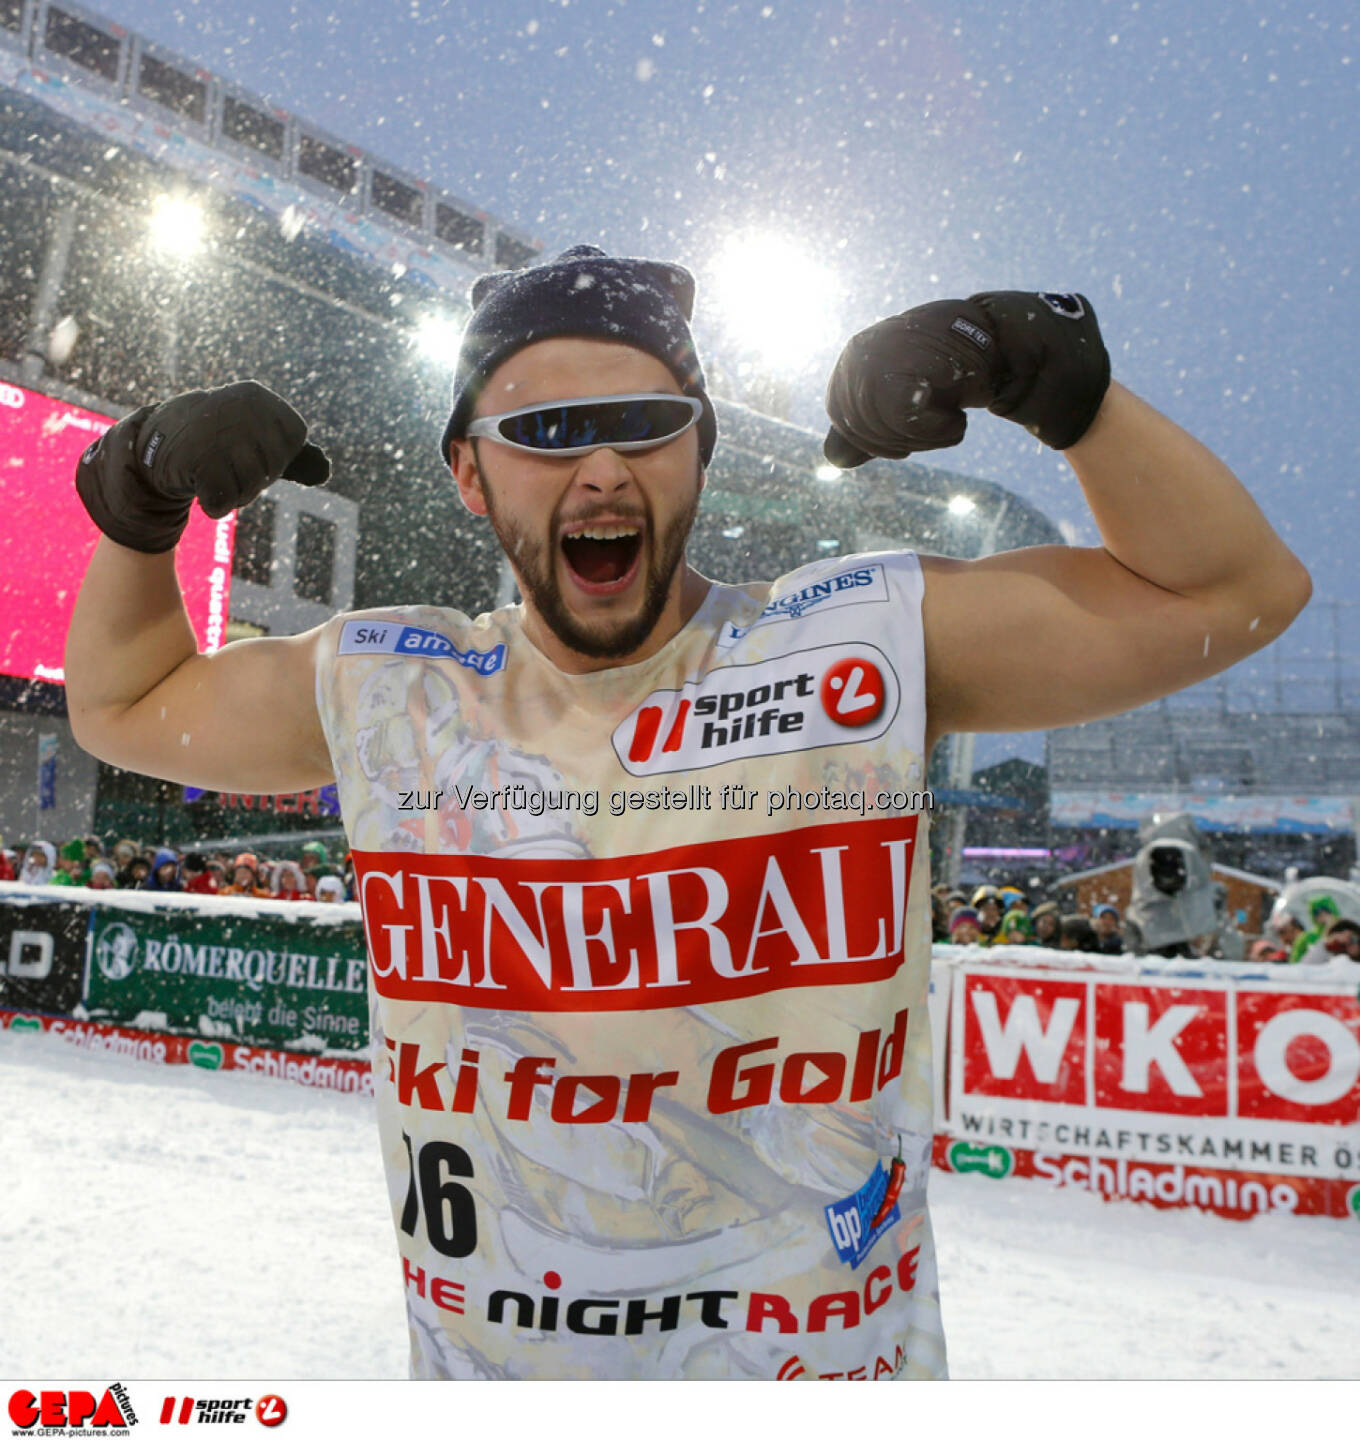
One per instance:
(1191,577)
(139,694)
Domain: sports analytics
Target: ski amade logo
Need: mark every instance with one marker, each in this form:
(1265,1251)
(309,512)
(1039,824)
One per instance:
(116,951)
(369,637)
(74,1412)
(829,695)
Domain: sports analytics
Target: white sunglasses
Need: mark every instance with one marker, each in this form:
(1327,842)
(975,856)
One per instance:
(593,422)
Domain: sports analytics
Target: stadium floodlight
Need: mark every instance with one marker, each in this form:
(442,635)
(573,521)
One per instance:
(176,227)
(436,338)
(774,300)
(828,472)
(962,505)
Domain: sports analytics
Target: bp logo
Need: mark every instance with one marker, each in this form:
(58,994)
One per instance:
(966,1158)
(1353,1201)
(115,951)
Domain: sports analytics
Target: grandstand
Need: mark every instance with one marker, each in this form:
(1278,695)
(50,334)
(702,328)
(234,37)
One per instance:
(162,229)
(1266,756)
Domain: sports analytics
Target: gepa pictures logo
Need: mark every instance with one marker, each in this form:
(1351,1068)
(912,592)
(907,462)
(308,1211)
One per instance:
(72,1411)
(829,695)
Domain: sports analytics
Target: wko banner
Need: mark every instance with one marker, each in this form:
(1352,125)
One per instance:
(1235,1095)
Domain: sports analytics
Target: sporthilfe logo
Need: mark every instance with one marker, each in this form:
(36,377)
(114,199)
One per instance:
(830,695)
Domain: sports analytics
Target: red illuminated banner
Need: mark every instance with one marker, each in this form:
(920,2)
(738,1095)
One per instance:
(822,905)
(47,539)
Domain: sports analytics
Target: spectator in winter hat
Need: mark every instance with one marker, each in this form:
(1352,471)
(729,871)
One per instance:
(330,888)
(1287,928)
(40,863)
(313,854)
(955,899)
(123,852)
(71,864)
(7,859)
(289,883)
(198,879)
(1343,938)
(165,872)
(245,877)
(134,874)
(1109,938)
(963,927)
(94,849)
(989,912)
(1047,922)
(1078,934)
(1016,929)
(101,876)
(1011,896)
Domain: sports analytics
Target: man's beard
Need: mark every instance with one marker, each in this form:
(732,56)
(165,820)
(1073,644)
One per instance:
(605,639)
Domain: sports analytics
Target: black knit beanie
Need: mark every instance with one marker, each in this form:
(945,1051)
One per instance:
(644,303)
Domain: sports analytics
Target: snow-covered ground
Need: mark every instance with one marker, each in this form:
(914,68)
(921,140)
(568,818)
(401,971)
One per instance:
(175,1222)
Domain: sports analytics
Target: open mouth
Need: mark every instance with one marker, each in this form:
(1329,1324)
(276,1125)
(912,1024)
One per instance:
(603,556)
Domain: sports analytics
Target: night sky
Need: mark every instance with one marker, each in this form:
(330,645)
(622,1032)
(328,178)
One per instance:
(1191,169)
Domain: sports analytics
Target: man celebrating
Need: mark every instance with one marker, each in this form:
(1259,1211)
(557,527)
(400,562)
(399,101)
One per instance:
(655,1092)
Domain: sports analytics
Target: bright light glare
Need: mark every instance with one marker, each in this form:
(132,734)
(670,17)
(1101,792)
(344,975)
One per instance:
(176,227)
(828,472)
(774,299)
(962,505)
(437,338)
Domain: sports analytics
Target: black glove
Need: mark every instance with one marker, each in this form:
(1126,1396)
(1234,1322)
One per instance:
(139,480)
(902,385)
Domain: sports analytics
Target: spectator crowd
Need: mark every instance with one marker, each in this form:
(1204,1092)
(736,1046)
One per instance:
(128,865)
(1003,915)
(990,915)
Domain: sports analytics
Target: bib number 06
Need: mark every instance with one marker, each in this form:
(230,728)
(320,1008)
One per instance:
(450,1211)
